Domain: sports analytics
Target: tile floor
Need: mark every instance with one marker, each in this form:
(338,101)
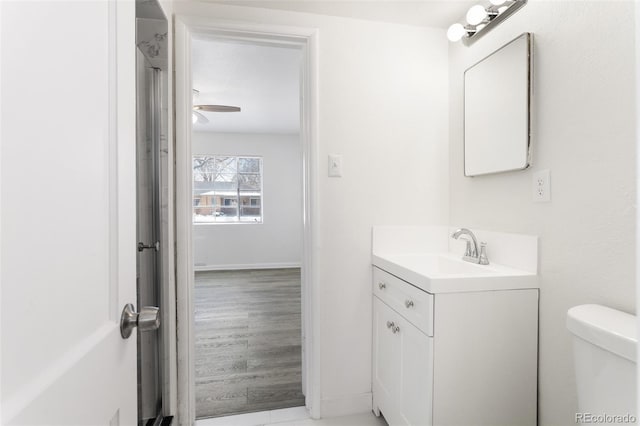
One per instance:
(356,420)
(291,417)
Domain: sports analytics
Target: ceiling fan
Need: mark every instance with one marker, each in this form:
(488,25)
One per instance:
(198,117)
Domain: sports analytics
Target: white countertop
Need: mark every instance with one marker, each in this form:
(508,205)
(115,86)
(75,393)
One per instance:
(448,273)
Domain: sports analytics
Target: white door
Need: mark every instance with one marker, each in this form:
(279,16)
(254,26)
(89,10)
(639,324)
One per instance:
(67,265)
(416,377)
(386,360)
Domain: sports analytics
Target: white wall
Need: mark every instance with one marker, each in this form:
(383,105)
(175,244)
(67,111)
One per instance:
(637,257)
(383,106)
(584,133)
(277,241)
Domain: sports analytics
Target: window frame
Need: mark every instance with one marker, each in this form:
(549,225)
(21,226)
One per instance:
(237,197)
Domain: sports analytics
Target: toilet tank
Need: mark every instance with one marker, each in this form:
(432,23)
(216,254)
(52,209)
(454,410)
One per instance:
(604,346)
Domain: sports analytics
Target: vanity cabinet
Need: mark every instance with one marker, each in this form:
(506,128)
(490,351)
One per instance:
(401,377)
(463,358)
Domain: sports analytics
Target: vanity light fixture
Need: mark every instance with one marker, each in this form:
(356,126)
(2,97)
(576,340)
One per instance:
(478,14)
(481,19)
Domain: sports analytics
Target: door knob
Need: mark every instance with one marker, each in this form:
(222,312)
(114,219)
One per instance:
(147,320)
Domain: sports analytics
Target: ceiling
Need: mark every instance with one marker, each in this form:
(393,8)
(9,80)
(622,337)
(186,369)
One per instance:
(262,80)
(429,13)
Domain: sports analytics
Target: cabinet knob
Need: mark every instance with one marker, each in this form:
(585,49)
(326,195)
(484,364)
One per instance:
(382,285)
(395,329)
(408,303)
(390,324)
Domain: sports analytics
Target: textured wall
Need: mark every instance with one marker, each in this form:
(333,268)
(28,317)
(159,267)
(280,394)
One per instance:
(383,106)
(583,131)
(277,241)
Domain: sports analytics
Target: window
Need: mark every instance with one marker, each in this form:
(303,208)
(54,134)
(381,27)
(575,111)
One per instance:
(227,189)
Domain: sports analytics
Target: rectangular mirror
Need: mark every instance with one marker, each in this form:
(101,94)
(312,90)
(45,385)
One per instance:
(497,94)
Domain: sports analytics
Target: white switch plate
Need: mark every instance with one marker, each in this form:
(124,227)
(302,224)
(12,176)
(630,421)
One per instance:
(541,186)
(335,165)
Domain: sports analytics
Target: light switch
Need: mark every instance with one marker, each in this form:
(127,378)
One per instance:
(335,165)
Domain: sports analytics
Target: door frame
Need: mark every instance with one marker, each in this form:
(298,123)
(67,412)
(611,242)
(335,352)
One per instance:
(307,39)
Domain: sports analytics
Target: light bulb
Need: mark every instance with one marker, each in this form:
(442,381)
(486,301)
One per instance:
(502,9)
(497,2)
(456,32)
(476,14)
(194,118)
(481,26)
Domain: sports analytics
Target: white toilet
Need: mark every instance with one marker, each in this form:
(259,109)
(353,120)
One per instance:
(604,347)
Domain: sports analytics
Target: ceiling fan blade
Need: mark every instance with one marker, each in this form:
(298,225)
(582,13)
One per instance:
(216,108)
(201,118)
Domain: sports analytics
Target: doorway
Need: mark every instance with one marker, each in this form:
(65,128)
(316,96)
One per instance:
(247,226)
(188,31)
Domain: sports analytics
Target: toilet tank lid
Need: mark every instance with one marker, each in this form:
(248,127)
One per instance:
(612,330)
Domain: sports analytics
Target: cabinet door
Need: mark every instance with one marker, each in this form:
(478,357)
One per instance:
(415,401)
(386,360)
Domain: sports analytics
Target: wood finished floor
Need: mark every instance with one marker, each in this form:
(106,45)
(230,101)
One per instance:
(248,341)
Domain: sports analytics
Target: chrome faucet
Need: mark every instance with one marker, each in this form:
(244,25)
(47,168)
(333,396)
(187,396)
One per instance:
(471,253)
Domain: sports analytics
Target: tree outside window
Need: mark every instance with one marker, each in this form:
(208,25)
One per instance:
(227,189)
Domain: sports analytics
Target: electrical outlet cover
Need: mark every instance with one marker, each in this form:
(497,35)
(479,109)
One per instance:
(541,186)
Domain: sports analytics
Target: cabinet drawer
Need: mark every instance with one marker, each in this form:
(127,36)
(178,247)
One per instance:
(411,302)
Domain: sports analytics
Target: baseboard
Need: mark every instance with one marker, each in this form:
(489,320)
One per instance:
(347,405)
(234,267)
